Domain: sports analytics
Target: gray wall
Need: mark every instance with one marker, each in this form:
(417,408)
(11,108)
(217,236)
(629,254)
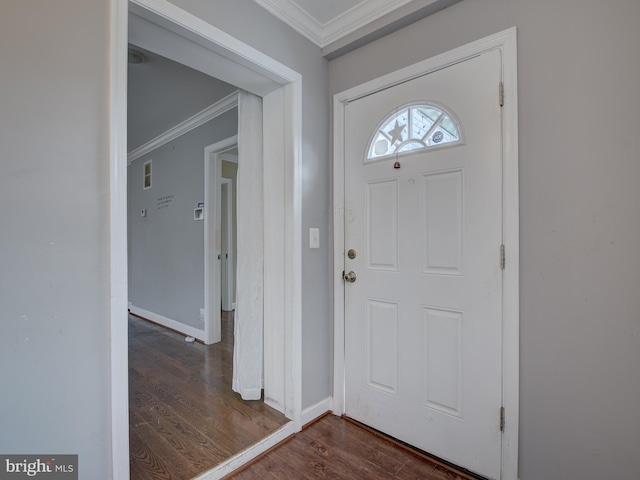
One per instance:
(54,246)
(579,72)
(252,24)
(166,248)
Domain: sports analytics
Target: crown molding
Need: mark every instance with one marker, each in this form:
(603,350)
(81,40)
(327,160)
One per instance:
(324,34)
(224,105)
(294,16)
(359,16)
(389,23)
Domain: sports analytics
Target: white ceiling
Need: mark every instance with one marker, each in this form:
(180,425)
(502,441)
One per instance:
(325,21)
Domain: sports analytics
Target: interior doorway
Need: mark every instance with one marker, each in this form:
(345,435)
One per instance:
(228,244)
(174,33)
(220,173)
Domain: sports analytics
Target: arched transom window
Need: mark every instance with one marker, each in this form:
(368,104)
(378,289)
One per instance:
(413,127)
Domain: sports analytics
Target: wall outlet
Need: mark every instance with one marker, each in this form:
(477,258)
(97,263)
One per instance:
(202,314)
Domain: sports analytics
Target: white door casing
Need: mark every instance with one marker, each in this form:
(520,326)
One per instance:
(414,341)
(213,237)
(226,244)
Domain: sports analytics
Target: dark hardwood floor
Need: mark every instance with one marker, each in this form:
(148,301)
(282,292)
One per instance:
(336,448)
(184,417)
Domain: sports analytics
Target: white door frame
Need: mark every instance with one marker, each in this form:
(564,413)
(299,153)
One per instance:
(280,87)
(506,42)
(227,296)
(231,273)
(212,224)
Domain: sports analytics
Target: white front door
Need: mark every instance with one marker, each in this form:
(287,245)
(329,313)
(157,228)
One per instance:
(423,318)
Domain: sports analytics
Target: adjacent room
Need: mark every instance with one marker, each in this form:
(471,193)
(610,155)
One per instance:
(185,417)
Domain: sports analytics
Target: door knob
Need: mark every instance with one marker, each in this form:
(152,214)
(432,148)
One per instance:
(349,277)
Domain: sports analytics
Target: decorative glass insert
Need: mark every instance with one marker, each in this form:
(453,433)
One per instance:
(413,127)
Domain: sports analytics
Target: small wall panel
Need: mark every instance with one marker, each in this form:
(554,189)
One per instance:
(382,225)
(382,345)
(442,222)
(443,360)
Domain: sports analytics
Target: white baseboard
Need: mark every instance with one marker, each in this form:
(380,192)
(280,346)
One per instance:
(186,330)
(247,455)
(309,414)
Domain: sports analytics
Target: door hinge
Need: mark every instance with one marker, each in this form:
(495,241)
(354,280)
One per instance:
(502,419)
(502,257)
(501,94)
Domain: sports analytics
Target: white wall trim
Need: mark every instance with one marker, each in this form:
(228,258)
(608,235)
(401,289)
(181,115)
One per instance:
(283,246)
(323,34)
(274,254)
(186,330)
(221,106)
(294,16)
(511,274)
(118,278)
(249,454)
(243,61)
(309,414)
(212,174)
(506,42)
(227,276)
(293,247)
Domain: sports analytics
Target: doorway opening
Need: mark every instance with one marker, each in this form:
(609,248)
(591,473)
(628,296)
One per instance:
(220,175)
(227,270)
(171,32)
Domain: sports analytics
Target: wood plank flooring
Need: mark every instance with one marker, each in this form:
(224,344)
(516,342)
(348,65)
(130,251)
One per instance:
(184,417)
(338,449)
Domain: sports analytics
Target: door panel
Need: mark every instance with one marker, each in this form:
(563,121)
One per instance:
(382,225)
(423,320)
(382,345)
(442,200)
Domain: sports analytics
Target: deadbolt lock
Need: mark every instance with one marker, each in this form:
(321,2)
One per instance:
(351,254)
